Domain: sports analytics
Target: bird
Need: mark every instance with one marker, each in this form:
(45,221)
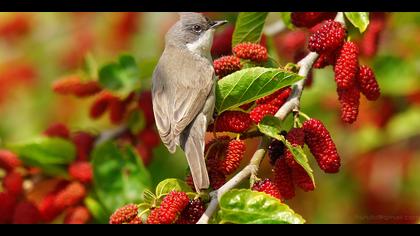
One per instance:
(183,90)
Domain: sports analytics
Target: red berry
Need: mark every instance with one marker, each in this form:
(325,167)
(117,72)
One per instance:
(74,85)
(268,187)
(13,183)
(84,143)
(47,208)
(325,59)
(58,130)
(153,217)
(367,83)
(350,101)
(149,137)
(124,214)
(77,215)
(7,206)
(145,153)
(100,105)
(321,145)
(232,121)
(214,150)
(346,65)
(26,213)
(226,65)
(302,179)
(117,110)
(217,178)
(283,179)
(70,195)
(145,104)
(235,153)
(136,221)
(9,160)
(251,51)
(276,149)
(289,43)
(327,38)
(81,171)
(309,19)
(372,35)
(277,98)
(246,106)
(192,212)
(260,111)
(172,205)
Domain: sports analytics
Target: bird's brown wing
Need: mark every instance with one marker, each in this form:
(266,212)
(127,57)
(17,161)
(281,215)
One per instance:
(181,86)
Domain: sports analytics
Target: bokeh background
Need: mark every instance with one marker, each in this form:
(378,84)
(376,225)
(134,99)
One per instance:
(379,181)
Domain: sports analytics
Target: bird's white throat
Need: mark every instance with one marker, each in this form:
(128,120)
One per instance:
(202,46)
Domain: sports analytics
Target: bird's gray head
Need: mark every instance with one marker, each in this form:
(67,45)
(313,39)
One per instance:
(192,28)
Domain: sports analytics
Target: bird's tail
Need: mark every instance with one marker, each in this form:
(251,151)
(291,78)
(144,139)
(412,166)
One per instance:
(192,142)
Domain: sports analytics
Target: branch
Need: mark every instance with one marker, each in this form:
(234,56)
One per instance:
(251,169)
(110,134)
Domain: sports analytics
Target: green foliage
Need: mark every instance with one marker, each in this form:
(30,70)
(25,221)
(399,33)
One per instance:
(360,20)
(250,207)
(119,176)
(249,27)
(168,185)
(49,154)
(286,17)
(122,77)
(250,84)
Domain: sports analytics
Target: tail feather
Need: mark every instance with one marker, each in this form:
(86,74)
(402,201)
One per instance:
(192,142)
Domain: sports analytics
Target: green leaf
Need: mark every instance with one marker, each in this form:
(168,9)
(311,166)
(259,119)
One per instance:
(271,126)
(300,158)
(149,197)
(119,176)
(90,66)
(249,27)
(168,185)
(245,206)
(249,84)
(360,20)
(122,77)
(97,210)
(287,20)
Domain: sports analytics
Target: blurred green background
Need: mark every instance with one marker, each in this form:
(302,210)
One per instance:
(379,181)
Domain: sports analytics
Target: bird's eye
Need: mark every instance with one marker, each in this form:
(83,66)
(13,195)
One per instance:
(197,28)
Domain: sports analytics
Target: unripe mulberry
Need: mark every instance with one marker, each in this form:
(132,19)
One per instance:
(26,213)
(350,101)
(84,142)
(232,121)
(367,83)
(70,195)
(260,111)
(309,19)
(172,205)
(81,171)
(283,179)
(252,51)
(75,86)
(13,183)
(276,99)
(268,187)
(234,155)
(226,65)
(321,145)
(124,214)
(9,160)
(153,217)
(77,215)
(192,212)
(346,65)
(58,130)
(327,38)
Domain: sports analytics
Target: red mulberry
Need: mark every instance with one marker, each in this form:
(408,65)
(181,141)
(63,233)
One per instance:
(77,215)
(283,179)
(372,35)
(100,105)
(367,83)
(350,101)
(252,51)
(117,110)
(26,213)
(58,130)
(233,121)
(226,65)
(309,19)
(346,65)
(268,187)
(7,206)
(260,111)
(9,160)
(81,171)
(172,205)
(234,155)
(124,214)
(13,183)
(149,137)
(74,85)
(70,195)
(84,144)
(192,212)
(276,99)
(325,59)
(153,217)
(327,38)
(321,145)
(217,179)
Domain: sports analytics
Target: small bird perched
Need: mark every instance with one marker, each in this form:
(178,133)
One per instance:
(183,90)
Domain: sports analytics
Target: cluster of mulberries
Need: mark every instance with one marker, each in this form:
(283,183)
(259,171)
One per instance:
(270,104)
(327,38)
(310,19)
(226,65)
(231,121)
(116,106)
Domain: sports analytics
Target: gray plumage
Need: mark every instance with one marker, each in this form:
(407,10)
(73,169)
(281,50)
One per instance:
(183,91)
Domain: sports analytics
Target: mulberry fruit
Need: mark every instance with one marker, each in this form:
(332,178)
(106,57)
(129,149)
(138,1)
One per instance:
(153,217)
(321,145)
(172,205)
(368,84)
(232,121)
(276,149)
(58,130)
(101,104)
(252,51)
(84,144)
(346,65)
(124,214)
(325,59)
(26,213)
(117,110)
(74,85)
(234,155)
(260,111)
(283,179)
(77,215)
(350,101)
(327,38)
(9,160)
(226,65)
(70,195)
(309,19)
(217,179)
(13,183)
(276,99)
(268,187)
(192,212)
(7,206)
(302,179)
(149,137)
(81,171)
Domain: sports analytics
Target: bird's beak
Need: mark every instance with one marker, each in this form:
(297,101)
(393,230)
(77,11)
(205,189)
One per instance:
(218,23)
